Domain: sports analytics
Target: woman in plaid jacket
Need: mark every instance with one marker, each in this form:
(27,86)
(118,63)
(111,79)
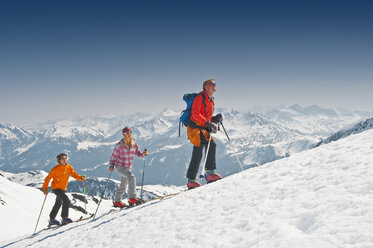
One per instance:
(122,160)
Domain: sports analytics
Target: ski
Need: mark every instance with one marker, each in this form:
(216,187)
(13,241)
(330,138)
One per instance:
(144,202)
(82,218)
(53,227)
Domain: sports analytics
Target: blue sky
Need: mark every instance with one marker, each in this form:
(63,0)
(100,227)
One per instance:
(60,59)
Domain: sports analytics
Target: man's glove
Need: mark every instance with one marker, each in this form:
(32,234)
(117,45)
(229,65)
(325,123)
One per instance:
(211,127)
(217,118)
(111,168)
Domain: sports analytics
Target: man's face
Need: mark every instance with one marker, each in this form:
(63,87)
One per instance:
(63,160)
(211,88)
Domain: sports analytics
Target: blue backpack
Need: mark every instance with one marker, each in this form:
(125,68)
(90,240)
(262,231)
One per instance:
(184,118)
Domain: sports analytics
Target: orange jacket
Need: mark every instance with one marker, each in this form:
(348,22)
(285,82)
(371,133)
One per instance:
(60,174)
(200,113)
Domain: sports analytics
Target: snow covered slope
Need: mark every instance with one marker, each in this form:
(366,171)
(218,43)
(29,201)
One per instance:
(20,206)
(317,198)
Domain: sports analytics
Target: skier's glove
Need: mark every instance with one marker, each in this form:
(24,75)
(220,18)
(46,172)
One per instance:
(217,118)
(111,168)
(145,152)
(211,127)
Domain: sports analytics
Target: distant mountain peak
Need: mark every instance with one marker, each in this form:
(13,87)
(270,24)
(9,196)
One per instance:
(169,113)
(357,128)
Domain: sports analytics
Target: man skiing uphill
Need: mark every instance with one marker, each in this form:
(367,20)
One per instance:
(199,129)
(60,175)
(122,160)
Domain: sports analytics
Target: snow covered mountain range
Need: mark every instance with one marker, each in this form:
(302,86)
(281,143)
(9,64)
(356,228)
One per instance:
(321,197)
(260,136)
(357,128)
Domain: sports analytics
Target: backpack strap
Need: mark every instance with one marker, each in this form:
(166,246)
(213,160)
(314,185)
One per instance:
(189,121)
(203,101)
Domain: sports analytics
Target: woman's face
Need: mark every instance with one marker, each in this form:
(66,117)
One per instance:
(127,135)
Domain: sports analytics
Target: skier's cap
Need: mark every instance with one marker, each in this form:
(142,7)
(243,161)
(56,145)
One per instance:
(126,129)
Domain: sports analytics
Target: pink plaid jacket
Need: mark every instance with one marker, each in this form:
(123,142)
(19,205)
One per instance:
(122,156)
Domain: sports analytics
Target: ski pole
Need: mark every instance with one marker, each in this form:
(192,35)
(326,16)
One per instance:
(230,143)
(85,197)
(103,192)
(42,206)
(206,154)
(142,181)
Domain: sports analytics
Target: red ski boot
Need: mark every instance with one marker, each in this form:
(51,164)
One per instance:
(211,176)
(192,183)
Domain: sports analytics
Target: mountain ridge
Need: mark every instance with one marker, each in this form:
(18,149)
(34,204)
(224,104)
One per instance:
(258,137)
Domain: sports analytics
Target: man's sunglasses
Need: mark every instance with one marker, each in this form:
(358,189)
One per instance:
(128,132)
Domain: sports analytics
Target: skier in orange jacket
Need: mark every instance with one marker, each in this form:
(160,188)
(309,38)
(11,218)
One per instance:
(60,175)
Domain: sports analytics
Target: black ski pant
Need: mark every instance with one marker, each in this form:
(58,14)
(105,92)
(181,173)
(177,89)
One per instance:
(197,156)
(61,199)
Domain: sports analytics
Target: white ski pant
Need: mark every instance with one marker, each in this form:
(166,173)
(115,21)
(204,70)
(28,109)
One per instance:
(127,179)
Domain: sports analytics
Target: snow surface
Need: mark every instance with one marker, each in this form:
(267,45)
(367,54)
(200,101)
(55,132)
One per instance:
(30,178)
(23,149)
(317,198)
(20,207)
(85,145)
(7,134)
